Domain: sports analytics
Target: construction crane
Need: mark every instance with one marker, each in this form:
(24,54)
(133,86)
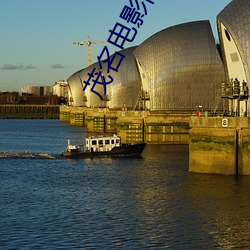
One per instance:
(89,43)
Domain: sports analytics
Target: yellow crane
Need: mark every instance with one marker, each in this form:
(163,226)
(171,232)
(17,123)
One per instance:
(89,43)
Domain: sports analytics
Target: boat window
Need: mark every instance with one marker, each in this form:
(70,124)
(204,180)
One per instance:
(112,141)
(107,142)
(94,142)
(117,141)
(100,142)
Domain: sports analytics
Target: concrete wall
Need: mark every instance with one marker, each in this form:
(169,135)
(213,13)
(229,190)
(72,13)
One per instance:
(219,145)
(64,114)
(132,126)
(167,129)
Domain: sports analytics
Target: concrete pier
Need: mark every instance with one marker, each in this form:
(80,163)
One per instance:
(219,145)
(132,126)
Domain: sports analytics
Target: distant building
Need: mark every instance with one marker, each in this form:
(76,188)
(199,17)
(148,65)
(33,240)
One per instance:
(30,90)
(37,90)
(39,95)
(40,100)
(60,89)
(9,97)
(47,90)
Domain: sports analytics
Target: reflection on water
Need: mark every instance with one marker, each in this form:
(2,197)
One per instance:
(145,203)
(224,201)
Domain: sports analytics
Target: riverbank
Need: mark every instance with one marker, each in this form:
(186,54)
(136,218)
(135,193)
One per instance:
(25,111)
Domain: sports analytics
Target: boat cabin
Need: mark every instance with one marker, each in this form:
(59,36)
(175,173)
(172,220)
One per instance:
(105,143)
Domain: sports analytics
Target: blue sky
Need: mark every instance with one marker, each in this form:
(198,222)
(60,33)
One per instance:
(36,35)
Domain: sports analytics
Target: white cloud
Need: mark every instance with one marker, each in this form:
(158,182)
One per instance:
(57,66)
(21,66)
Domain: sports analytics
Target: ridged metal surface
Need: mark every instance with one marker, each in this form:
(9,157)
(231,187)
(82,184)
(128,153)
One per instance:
(181,67)
(126,85)
(76,95)
(91,99)
(236,18)
(123,91)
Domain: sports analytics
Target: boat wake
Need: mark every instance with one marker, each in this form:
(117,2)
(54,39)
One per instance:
(26,154)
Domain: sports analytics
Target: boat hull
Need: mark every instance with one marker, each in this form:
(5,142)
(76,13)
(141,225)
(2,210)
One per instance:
(126,150)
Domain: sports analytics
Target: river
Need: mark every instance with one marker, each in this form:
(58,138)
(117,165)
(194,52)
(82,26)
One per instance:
(48,202)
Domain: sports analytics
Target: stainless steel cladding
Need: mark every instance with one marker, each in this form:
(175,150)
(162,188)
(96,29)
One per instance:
(92,99)
(234,33)
(78,97)
(75,90)
(180,67)
(234,23)
(125,89)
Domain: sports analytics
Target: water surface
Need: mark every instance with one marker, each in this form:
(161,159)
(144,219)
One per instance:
(148,203)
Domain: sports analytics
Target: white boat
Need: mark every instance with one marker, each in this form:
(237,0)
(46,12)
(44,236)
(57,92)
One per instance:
(96,146)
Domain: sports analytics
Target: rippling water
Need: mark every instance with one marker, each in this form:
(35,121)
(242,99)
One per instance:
(148,203)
